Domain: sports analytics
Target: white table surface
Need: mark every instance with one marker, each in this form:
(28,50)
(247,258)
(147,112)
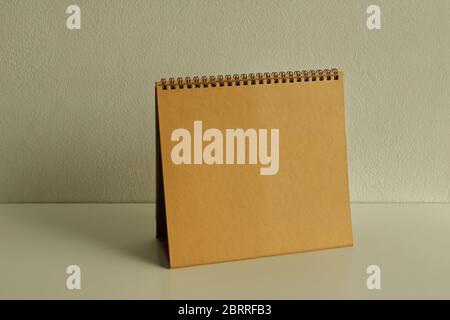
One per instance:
(115,246)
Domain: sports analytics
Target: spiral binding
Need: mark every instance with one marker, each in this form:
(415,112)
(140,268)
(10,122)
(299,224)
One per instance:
(249,79)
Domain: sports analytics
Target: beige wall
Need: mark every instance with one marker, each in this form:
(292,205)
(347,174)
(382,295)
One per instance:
(76,107)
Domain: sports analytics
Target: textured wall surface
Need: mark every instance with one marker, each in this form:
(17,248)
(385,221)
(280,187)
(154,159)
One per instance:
(77,107)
